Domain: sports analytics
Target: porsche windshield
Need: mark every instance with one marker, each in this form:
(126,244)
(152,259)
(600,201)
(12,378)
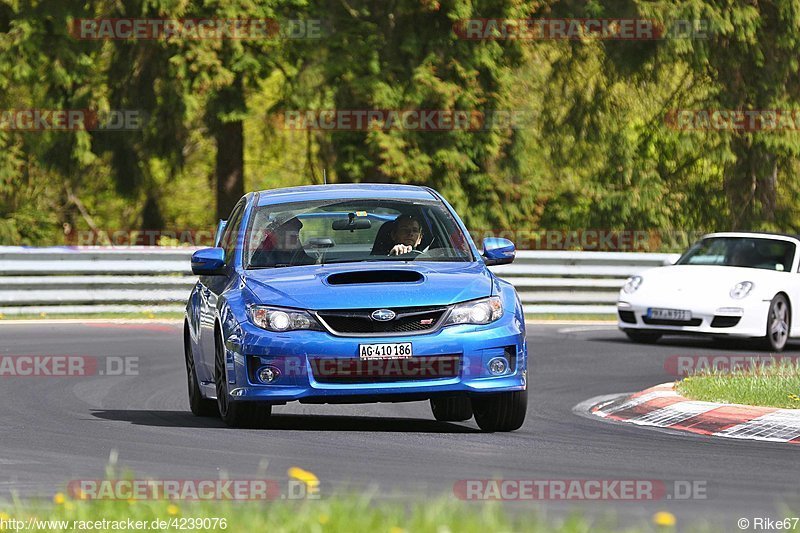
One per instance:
(749,252)
(344,231)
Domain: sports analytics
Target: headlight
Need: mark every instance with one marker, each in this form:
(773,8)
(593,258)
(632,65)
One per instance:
(741,289)
(476,312)
(277,319)
(632,284)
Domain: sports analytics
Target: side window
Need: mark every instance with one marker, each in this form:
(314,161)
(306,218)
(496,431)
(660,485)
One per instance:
(231,235)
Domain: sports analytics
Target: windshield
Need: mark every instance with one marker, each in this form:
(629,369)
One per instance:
(749,252)
(345,231)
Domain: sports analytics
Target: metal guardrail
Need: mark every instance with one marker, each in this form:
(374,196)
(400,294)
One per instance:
(61,280)
(561,282)
(66,280)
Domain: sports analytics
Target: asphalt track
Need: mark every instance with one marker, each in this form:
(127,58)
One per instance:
(56,429)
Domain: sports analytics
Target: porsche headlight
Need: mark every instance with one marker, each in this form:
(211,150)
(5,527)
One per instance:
(741,289)
(476,312)
(632,284)
(277,319)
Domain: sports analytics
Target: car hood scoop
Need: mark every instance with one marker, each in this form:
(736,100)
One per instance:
(374,276)
(345,286)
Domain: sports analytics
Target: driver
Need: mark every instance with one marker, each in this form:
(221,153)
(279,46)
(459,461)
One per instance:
(743,255)
(407,234)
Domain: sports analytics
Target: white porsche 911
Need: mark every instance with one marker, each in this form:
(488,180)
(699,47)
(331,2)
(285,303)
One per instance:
(727,284)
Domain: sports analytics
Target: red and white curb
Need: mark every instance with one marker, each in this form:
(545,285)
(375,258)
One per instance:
(661,406)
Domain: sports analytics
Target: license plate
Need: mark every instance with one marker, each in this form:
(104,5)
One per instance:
(680,315)
(394,350)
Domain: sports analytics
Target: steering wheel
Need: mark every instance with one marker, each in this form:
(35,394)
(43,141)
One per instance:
(413,252)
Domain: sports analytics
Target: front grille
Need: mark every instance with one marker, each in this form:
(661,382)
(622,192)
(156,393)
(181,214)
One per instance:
(352,370)
(664,322)
(725,321)
(408,320)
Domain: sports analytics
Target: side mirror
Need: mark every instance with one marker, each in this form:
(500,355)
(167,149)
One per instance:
(208,262)
(220,228)
(671,259)
(498,251)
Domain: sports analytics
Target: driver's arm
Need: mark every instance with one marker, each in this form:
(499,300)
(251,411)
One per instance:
(400,249)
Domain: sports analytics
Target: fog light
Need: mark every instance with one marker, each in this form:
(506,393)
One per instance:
(498,366)
(268,374)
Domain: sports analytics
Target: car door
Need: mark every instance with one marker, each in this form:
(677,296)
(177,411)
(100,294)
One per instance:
(210,289)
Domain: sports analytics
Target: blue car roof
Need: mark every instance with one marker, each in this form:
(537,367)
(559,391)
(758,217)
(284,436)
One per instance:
(379,191)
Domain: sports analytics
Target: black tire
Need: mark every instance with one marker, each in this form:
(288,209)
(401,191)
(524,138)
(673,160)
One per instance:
(779,318)
(451,409)
(236,414)
(642,337)
(200,406)
(500,412)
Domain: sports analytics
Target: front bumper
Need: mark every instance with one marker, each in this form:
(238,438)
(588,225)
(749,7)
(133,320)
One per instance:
(297,356)
(746,318)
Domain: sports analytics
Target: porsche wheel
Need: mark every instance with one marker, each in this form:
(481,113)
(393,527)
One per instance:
(778,320)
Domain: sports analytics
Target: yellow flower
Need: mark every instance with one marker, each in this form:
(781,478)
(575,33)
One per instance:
(59,498)
(664,518)
(303,475)
(396,529)
(151,315)
(42,315)
(324,519)
(172,509)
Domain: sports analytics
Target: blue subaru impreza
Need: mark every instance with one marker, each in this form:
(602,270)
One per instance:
(354,293)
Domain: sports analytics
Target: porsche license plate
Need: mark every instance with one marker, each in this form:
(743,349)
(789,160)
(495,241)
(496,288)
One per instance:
(680,315)
(394,350)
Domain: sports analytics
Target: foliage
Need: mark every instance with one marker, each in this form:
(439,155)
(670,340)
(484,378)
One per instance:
(599,150)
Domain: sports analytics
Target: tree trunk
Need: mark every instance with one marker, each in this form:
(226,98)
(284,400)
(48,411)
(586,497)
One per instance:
(224,121)
(229,166)
(751,185)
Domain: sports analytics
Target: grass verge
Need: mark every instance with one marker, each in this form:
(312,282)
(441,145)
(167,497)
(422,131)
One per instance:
(345,514)
(770,385)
